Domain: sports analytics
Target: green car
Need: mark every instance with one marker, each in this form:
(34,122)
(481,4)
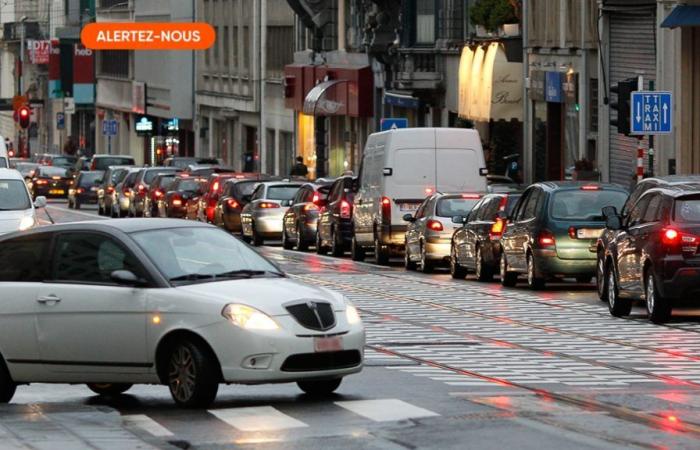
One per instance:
(553,230)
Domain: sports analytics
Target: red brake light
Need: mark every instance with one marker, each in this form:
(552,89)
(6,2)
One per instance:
(158,193)
(669,236)
(345,209)
(386,210)
(80,190)
(497,228)
(428,191)
(546,239)
(41,182)
(434,225)
(503,204)
(177,202)
(572,232)
(471,196)
(269,205)
(110,190)
(141,188)
(591,187)
(215,187)
(232,203)
(316,198)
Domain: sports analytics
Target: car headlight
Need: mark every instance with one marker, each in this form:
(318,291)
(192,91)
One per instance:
(248,318)
(26,223)
(351,314)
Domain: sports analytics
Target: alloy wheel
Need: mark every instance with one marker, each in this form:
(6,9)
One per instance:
(479,264)
(600,279)
(612,289)
(651,295)
(182,374)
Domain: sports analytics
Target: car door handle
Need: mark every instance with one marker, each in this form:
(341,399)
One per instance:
(48,299)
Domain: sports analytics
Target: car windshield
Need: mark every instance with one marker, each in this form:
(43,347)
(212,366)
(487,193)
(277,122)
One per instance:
(201,254)
(89,178)
(688,210)
(450,207)
(64,161)
(50,171)
(13,196)
(104,163)
(585,205)
(286,192)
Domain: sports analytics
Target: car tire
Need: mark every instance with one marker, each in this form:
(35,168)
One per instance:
(319,388)
(482,270)
(76,205)
(426,265)
(533,281)
(658,307)
(285,241)
(255,238)
(617,306)
(337,247)
(109,389)
(601,281)
(70,204)
(7,386)
(320,248)
(457,271)
(357,252)
(100,210)
(380,255)
(508,278)
(407,263)
(188,362)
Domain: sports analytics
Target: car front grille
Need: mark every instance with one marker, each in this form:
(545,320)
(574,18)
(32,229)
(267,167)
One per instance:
(313,315)
(308,362)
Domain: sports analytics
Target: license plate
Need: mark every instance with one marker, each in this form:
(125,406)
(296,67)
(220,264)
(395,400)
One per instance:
(588,233)
(328,344)
(57,192)
(408,206)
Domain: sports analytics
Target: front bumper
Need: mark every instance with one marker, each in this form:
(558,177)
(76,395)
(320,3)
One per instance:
(548,264)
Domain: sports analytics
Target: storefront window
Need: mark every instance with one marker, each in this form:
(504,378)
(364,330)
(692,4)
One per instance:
(571,133)
(307,143)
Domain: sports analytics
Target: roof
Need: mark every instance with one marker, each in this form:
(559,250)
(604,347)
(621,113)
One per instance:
(552,185)
(676,190)
(10,174)
(675,179)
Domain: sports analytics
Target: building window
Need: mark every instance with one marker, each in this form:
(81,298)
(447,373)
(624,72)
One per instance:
(227,49)
(280,50)
(270,151)
(114,63)
(246,50)
(285,153)
(425,21)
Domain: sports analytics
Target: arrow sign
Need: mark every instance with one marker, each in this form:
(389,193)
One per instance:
(393,124)
(652,113)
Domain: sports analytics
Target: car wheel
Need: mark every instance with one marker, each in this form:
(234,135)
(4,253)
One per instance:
(76,205)
(617,306)
(255,238)
(658,307)
(100,210)
(192,376)
(302,245)
(319,387)
(109,388)
(482,270)
(70,204)
(407,263)
(508,278)
(533,281)
(7,386)
(380,255)
(337,248)
(426,265)
(601,281)
(320,248)
(456,270)
(285,241)
(357,252)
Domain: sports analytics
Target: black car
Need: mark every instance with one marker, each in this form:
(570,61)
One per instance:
(654,252)
(184,189)
(476,246)
(142,186)
(49,181)
(84,189)
(605,238)
(154,205)
(334,230)
(300,220)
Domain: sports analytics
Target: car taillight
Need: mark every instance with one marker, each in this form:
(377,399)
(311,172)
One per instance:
(316,198)
(590,187)
(110,190)
(546,239)
(504,202)
(471,196)
(80,190)
(177,201)
(141,188)
(310,206)
(269,205)
(386,210)
(572,233)
(41,182)
(434,225)
(674,238)
(215,186)
(345,209)
(232,203)
(158,193)
(497,229)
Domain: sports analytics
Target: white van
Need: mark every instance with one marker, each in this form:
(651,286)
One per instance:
(4,157)
(402,167)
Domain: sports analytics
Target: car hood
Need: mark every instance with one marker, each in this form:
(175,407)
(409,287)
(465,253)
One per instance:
(266,294)
(9,220)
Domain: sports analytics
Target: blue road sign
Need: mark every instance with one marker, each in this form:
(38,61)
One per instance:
(652,112)
(109,127)
(394,124)
(60,121)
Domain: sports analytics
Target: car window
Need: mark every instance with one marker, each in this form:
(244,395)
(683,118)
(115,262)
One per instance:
(420,212)
(49,171)
(282,192)
(640,189)
(520,206)
(637,212)
(130,179)
(22,260)
(64,161)
(533,203)
(584,205)
(653,211)
(3,163)
(89,258)
(687,210)
(301,196)
(336,190)
(490,211)
(104,163)
(14,196)
(455,206)
(88,178)
(258,193)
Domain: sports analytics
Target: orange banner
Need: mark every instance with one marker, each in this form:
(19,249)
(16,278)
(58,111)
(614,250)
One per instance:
(148,36)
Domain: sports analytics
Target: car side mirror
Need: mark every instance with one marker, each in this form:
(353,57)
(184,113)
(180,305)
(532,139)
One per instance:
(127,278)
(40,202)
(610,211)
(460,220)
(409,218)
(613,222)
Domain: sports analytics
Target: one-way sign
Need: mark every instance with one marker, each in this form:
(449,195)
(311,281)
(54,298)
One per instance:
(652,112)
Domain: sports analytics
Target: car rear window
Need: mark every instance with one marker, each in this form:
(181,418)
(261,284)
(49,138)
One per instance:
(511,201)
(89,178)
(450,207)
(687,210)
(282,192)
(104,163)
(119,175)
(584,205)
(64,161)
(244,188)
(151,174)
(166,181)
(190,184)
(13,196)
(48,171)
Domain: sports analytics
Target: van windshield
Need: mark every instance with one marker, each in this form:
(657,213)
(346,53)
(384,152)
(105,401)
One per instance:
(13,195)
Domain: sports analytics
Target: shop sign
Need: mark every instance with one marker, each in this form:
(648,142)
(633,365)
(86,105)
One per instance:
(537,85)
(553,88)
(38,51)
(143,126)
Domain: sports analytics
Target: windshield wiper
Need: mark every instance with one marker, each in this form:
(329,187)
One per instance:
(244,273)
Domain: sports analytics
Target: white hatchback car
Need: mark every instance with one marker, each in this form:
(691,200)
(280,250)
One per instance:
(17,212)
(163,301)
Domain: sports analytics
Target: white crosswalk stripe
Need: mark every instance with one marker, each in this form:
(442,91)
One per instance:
(257,418)
(386,410)
(147,424)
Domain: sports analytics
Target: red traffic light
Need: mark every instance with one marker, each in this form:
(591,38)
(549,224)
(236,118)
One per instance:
(24,114)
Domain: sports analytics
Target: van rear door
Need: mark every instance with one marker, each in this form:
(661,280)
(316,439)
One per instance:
(412,180)
(458,170)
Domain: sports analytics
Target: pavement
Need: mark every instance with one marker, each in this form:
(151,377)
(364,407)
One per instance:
(450,365)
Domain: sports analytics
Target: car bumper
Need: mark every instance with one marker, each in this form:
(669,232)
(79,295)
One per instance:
(283,355)
(681,279)
(269,225)
(438,251)
(89,198)
(124,203)
(393,235)
(232,221)
(551,265)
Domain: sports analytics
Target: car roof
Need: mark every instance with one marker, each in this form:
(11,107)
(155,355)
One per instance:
(674,179)
(676,190)
(10,174)
(556,185)
(284,183)
(110,156)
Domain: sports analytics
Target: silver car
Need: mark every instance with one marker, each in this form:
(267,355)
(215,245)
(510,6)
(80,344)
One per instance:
(262,218)
(429,232)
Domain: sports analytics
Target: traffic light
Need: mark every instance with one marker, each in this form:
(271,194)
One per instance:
(25,115)
(624,90)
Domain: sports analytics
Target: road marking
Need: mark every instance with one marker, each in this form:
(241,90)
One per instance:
(386,410)
(79,213)
(257,418)
(147,424)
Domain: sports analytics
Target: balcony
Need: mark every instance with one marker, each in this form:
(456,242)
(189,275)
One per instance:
(419,69)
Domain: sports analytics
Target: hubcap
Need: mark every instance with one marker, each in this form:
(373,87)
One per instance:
(611,289)
(650,294)
(182,374)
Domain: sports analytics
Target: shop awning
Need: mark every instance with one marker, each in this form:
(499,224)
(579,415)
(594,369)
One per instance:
(682,16)
(490,87)
(316,105)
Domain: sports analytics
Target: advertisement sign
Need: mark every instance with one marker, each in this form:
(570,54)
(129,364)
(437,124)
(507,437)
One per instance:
(143,126)
(83,75)
(553,92)
(38,51)
(55,90)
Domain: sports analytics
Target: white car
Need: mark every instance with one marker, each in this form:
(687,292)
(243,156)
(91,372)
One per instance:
(17,212)
(163,301)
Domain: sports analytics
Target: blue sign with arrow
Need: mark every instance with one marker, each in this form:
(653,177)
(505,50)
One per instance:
(394,124)
(652,112)
(110,127)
